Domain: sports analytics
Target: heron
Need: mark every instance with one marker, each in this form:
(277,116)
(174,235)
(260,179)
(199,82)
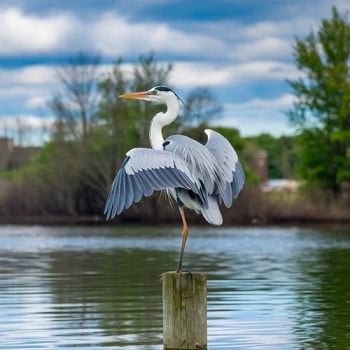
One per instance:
(199,177)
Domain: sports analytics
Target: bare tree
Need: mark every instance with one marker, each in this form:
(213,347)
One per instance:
(75,107)
(203,102)
(76,104)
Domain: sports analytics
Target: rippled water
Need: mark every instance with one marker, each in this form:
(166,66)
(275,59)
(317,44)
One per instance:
(98,287)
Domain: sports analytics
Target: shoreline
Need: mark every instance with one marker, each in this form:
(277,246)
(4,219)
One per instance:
(100,220)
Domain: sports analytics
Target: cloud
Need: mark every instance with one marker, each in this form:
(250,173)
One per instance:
(269,47)
(26,121)
(262,105)
(250,109)
(112,34)
(262,70)
(36,101)
(246,52)
(27,33)
(26,129)
(191,74)
(28,75)
(27,87)
(258,115)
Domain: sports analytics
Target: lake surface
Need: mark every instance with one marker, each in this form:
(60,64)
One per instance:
(98,287)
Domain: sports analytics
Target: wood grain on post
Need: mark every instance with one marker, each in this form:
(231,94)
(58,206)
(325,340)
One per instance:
(184,310)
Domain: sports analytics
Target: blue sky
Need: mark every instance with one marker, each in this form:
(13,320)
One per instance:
(240,49)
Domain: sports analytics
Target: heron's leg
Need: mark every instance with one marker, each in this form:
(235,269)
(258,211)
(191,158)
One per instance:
(184,237)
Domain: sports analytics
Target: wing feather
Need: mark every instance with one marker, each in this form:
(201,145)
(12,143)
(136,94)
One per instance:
(129,192)
(145,171)
(231,172)
(138,192)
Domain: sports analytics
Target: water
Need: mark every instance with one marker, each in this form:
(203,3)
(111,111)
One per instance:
(98,287)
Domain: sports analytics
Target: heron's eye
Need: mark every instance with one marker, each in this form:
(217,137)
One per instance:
(155,92)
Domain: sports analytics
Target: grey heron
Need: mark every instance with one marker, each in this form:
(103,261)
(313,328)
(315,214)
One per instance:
(197,176)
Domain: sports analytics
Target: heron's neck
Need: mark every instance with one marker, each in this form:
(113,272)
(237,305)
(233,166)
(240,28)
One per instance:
(159,121)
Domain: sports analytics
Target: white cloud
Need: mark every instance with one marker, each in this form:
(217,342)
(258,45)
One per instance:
(262,104)
(268,47)
(258,115)
(112,34)
(36,101)
(214,53)
(25,121)
(109,33)
(27,33)
(28,75)
(26,129)
(186,74)
(31,86)
(262,70)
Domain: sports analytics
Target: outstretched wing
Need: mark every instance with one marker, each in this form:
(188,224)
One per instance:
(231,171)
(144,171)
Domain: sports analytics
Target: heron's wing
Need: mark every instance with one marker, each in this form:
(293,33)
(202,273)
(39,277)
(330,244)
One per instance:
(231,171)
(145,171)
(199,159)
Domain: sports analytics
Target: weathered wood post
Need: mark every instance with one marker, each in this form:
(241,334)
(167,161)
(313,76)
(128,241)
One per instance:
(184,310)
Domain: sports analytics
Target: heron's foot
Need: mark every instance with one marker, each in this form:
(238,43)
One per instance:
(180,271)
(186,271)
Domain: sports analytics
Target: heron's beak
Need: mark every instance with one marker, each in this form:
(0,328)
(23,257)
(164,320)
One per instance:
(141,94)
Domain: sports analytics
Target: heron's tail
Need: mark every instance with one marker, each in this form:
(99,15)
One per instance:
(212,213)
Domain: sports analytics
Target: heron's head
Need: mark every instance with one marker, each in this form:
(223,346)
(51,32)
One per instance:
(156,94)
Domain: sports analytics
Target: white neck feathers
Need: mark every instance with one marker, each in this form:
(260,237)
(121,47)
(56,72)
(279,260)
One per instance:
(162,119)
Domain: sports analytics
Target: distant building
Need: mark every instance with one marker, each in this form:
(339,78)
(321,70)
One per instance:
(261,167)
(14,157)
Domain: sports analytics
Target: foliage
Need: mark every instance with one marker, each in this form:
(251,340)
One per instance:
(126,123)
(321,110)
(282,158)
(74,172)
(93,131)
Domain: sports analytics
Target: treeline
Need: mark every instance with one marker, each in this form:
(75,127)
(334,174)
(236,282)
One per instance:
(94,129)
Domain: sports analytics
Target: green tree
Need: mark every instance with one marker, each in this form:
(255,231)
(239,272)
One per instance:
(322,107)
(125,124)
(78,173)
(281,154)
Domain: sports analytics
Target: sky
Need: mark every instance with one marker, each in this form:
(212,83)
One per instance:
(242,50)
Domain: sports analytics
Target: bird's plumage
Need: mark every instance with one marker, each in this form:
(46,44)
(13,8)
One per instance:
(199,177)
(147,170)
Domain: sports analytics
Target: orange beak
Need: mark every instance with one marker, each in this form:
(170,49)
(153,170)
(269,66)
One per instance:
(140,94)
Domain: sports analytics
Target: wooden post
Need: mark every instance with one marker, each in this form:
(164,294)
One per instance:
(184,311)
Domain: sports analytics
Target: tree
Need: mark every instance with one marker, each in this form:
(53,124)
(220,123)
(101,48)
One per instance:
(322,107)
(281,154)
(147,73)
(202,101)
(126,124)
(71,159)
(75,105)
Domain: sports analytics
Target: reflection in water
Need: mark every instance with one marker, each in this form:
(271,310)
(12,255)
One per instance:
(323,296)
(97,287)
